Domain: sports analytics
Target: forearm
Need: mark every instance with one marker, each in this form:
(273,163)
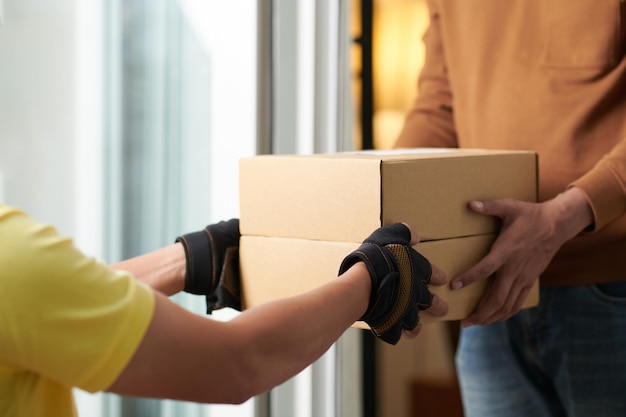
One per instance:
(163,269)
(427,128)
(185,356)
(571,212)
(287,335)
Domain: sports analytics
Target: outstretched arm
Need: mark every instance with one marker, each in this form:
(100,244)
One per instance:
(190,357)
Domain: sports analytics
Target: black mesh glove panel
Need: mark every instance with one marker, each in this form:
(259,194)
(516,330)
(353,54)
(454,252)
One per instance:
(213,264)
(400,277)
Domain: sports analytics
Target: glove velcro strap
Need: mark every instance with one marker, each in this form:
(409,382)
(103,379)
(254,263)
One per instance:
(401,295)
(197,247)
(412,264)
(405,296)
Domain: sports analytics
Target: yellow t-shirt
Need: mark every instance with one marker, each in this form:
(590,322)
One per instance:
(66,320)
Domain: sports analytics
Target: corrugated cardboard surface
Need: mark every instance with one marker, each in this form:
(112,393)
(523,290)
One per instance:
(275,268)
(301,215)
(344,197)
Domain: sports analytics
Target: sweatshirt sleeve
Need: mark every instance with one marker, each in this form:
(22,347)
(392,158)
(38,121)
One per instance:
(430,122)
(605,186)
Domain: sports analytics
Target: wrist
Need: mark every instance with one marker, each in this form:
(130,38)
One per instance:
(574,213)
(358,279)
(181,262)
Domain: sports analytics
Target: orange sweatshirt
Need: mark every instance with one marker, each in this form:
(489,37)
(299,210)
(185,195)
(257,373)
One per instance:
(547,76)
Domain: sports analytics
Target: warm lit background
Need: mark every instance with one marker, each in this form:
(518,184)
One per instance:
(398,56)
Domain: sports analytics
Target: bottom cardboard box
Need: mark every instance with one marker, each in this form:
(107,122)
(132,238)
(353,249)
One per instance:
(274,268)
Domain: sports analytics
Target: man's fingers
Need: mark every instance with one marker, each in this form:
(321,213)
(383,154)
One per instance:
(414,236)
(497,297)
(410,334)
(483,269)
(438,306)
(438,277)
(510,308)
(499,208)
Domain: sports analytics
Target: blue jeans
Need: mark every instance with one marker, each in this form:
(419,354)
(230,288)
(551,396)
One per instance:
(565,357)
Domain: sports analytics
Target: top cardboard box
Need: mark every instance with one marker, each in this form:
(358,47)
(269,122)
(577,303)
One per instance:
(344,197)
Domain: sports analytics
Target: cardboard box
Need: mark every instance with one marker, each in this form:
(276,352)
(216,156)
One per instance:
(274,268)
(301,215)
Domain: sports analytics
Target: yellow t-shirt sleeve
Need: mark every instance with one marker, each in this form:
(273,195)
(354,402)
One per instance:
(65,316)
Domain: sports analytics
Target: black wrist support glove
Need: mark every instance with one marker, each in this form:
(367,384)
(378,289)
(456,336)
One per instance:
(213,264)
(400,277)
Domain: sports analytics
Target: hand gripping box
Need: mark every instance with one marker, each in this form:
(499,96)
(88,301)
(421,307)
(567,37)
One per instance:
(301,215)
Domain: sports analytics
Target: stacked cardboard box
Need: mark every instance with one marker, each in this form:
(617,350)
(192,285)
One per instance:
(301,215)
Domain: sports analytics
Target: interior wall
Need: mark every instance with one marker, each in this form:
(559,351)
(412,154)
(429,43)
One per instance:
(37,109)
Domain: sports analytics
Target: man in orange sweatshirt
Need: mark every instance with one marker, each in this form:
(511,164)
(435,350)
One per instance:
(548,77)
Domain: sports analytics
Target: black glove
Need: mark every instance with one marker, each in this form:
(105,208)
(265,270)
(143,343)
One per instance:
(213,264)
(400,277)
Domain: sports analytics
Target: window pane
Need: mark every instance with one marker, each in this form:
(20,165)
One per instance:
(180,100)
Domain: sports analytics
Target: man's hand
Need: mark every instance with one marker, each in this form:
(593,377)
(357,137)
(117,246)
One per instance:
(530,236)
(400,278)
(438,307)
